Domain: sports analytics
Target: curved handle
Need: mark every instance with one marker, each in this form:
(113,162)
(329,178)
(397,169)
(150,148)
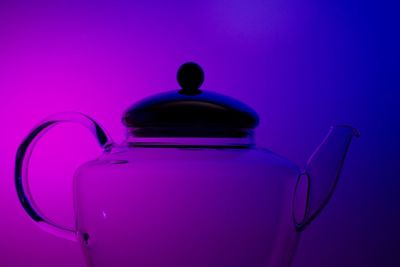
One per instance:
(22,162)
(317,184)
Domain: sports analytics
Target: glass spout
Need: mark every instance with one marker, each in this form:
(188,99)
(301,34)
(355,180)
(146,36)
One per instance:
(319,180)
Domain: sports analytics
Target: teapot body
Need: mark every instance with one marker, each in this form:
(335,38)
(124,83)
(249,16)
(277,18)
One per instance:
(173,206)
(188,187)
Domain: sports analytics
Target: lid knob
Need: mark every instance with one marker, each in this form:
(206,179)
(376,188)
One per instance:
(190,77)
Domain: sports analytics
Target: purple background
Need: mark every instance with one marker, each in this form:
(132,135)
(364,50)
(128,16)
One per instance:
(303,66)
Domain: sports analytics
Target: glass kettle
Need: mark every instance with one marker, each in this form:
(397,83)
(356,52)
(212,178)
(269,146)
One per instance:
(188,187)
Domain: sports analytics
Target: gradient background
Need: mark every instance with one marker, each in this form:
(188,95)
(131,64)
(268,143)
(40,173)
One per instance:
(302,65)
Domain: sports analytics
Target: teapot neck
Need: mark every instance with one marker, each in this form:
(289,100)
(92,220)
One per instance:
(190,131)
(191,142)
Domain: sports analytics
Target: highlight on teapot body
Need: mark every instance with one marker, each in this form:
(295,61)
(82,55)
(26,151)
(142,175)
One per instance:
(302,66)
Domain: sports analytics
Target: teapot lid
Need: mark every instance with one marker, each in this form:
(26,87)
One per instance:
(190,112)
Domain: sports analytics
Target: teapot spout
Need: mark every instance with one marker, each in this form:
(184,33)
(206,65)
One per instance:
(319,180)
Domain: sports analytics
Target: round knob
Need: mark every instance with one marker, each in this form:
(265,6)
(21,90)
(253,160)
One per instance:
(190,77)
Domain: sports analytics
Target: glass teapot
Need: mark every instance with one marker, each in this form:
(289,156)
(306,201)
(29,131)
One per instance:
(189,187)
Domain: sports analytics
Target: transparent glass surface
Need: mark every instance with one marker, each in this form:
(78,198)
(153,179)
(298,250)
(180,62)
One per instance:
(186,207)
(179,202)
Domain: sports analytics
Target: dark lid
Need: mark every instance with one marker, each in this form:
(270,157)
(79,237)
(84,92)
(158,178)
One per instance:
(190,111)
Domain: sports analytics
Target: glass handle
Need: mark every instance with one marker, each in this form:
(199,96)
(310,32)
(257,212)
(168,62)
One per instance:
(22,162)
